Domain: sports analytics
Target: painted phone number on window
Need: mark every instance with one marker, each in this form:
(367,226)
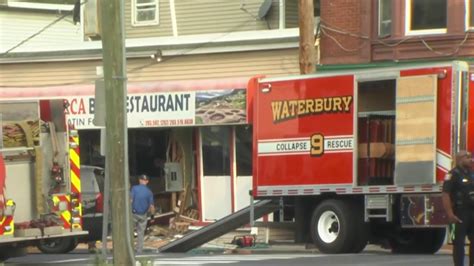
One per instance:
(168,122)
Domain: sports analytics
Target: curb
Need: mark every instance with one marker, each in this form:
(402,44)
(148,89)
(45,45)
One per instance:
(276,249)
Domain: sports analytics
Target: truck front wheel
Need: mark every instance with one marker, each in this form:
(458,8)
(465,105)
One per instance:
(57,245)
(333,227)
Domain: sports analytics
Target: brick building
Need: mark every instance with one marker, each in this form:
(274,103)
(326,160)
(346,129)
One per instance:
(371,31)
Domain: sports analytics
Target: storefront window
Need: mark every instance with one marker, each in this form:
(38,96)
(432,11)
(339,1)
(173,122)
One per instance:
(243,150)
(216,151)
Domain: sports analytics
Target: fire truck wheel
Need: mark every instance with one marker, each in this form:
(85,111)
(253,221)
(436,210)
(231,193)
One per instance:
(332,227)
(362,231)
(419,241)
(57,245)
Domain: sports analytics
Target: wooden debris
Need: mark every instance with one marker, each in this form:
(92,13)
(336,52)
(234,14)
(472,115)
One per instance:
(190,220)
(192,213)
(181,227)
(156,242)
(156,230)
(183,199)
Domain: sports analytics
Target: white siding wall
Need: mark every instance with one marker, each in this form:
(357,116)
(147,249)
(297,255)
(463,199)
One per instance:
(203,17)
(16,26)
(186,67)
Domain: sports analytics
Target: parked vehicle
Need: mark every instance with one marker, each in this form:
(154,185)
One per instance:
(92,180)
(362,154)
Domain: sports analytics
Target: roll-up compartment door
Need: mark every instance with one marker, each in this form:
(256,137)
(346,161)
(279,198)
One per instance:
(415,133)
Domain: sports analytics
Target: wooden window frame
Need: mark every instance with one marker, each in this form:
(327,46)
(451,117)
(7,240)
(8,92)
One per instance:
(469,15)
(135,11)
(410,32)
(380,21)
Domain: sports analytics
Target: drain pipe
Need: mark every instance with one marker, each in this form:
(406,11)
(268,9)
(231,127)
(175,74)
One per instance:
(282,16)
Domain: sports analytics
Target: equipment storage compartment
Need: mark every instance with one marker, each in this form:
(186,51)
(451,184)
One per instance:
(376,132)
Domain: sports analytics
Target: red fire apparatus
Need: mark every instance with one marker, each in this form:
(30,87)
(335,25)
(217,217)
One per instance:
(362,154)
(39,178)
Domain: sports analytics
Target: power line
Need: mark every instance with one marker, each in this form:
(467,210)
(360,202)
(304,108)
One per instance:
(36,34)
(325,27)
(149,64)
(185,52)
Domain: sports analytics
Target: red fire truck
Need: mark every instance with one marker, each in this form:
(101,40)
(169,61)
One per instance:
(40,186)
(363,154)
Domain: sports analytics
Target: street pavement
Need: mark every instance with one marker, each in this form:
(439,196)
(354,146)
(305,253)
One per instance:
(286,254)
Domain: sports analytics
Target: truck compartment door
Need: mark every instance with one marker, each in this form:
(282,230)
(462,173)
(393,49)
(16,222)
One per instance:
(415,133)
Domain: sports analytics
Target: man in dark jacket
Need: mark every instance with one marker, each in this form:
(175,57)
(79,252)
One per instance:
(458,201)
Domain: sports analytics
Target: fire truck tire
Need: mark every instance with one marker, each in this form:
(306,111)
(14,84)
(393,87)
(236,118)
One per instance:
(419,241)
(57,245)
(73,245)
(332,227)
(362,231)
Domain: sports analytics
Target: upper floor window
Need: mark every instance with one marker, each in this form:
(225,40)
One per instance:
(317,11)
(385,17)
(470,14)
(425,17)
(145,12)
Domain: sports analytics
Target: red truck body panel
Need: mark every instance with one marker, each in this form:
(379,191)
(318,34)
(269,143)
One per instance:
(2,183)
(470,128)
(294,116)
(286,131)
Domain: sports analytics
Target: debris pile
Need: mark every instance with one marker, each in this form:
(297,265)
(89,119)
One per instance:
(165,227)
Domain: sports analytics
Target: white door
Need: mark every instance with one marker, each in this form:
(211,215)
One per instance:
(216,182)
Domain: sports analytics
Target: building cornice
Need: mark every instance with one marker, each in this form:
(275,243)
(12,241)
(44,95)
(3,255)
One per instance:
(169,46)
(38,6)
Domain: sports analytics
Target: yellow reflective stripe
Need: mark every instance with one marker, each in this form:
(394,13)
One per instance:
(75,162)
(75,181)
(12,226)
(67,216)
(74,157)
(55,200)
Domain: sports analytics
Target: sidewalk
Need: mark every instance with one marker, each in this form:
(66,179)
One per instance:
(262,248)
(296,248)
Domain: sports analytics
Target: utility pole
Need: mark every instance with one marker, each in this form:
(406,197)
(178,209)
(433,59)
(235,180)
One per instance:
(307,66)
(115,77)
(306,25)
